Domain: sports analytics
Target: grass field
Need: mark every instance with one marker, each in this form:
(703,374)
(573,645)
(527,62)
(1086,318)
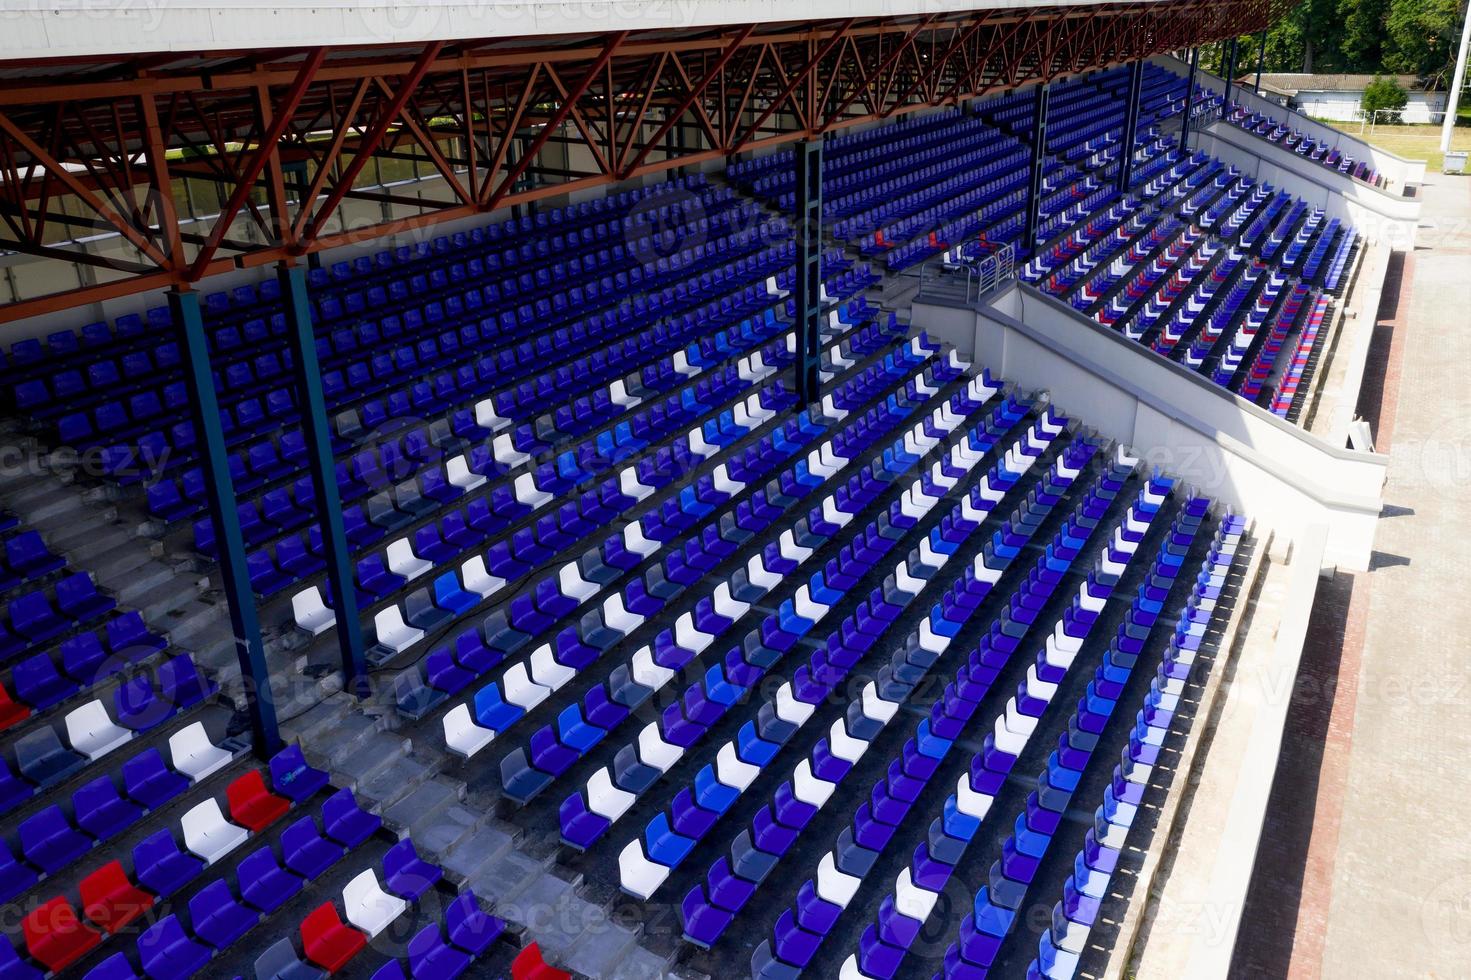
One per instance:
(1412,142)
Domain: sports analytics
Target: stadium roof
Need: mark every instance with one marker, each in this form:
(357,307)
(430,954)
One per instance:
(108,107)
(100,28)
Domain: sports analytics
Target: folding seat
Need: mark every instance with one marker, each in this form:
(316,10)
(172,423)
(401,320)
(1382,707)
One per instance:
(15,877)
(110,900)
(77,597)
(167,952)
(292,777)
(32,620)
(327,941)
(38,684)
(406,874)
(194,755)
(263,883)
(92,732)
(468,927)
(208,834)
(101,811)
(12,967)
(217,917)
(345,821)
(181,684)
(252,805)
(529,965)
(368,906)
(305,851)
(27,556)
(148,781)
(431,957)
(41,758)
(55,937)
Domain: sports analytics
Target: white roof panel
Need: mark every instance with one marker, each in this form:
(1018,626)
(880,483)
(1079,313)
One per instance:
(92,28)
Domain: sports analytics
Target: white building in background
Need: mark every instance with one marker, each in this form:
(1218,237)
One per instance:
(1338,97)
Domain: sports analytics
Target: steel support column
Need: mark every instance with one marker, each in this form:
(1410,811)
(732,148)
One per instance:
(1129,137)
(220,491)
(1230,76)
(1261,61)
(312,405)
(1189,103)
(1035,172)
(808,290)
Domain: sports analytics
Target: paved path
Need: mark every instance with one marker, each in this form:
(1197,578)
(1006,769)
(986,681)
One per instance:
(1365,868)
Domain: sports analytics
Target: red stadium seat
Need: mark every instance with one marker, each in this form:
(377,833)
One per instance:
(252,805)
(11,711)
(110,900)
(55,937)
(327,941)
(528,965)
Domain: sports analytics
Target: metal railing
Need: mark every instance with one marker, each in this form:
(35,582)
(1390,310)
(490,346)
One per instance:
(967,280)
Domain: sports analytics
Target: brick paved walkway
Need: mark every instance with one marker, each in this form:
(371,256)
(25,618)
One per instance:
(1365,869)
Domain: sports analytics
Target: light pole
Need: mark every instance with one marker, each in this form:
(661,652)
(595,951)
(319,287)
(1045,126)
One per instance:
(1453,97)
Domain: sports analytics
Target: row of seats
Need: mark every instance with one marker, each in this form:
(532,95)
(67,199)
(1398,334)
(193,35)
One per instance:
(585,816)
(34,618)
(1041,816)
(903,912)
(500,704)
(729,884)
(867,833)
(91,731)
(1061,946)
(49,840)
(1174,287)
(399,627)
(1301,143)
(563,591)
(671,835)
(1285,396)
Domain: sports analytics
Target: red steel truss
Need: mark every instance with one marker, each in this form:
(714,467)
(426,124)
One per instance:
(103,146)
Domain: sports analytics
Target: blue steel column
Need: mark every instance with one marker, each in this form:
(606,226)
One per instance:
(220,491)
(808,155)
(312,405)
(1189,102)
(1261,62)
(1128,140)
(1230,75)
(1036,172)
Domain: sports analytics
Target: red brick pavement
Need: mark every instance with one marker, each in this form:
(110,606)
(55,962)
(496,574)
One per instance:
(1285,921)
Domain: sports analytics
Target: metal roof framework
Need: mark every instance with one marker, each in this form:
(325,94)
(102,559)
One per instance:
(112,135)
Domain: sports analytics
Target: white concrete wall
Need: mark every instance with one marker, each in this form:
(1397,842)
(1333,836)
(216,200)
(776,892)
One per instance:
(1398,169)
(1422,107)
(1230,449)
(1378,215)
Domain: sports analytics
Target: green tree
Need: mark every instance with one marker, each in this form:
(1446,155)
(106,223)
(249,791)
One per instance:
(1421,38)
(1323,34)
(1363,33)
(1384,94)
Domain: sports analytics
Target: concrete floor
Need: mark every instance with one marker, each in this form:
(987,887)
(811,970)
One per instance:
(1365,868)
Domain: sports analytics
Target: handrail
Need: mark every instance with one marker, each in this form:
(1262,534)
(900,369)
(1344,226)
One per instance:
(983,274)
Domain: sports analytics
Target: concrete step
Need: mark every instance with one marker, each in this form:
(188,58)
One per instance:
(486,842)
(351,740)
(428,806)
(388,782)
(86,533)
(121,566)
(163,601)
(315,728)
